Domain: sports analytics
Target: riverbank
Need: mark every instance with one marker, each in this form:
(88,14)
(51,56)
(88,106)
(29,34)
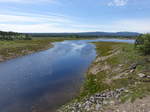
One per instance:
(117,81)
(17,48)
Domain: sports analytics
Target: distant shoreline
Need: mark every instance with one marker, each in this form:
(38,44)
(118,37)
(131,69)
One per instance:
(22,51)
(13,49)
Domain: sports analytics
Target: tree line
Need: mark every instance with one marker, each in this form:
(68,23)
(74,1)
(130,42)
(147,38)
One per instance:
(14,36)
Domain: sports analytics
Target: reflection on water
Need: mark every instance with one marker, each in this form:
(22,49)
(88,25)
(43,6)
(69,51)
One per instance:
(43,81)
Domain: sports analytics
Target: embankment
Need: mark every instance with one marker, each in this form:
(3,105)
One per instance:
(117,81)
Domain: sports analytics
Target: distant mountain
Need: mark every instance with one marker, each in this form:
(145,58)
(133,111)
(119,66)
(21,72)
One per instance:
(124,34)
(128,33)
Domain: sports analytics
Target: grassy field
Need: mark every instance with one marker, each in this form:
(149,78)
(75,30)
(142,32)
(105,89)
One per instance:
(13,49)
(116,69)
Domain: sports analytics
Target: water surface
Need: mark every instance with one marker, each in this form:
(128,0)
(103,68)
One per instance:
(43,81)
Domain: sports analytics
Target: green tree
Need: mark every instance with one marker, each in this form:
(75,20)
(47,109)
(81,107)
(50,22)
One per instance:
(142,44)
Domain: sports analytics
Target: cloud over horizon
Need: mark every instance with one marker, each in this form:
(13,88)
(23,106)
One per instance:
(43,23)
(43,16)
(19,1)
(118,3)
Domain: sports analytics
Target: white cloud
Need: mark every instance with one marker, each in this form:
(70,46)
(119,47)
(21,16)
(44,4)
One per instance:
(43,28)
(14,18)
(138,25)
(131,25)
(118,3)
(32,18)
(27,1)
(31,28)
(10,0)
(23,22)
(33,22)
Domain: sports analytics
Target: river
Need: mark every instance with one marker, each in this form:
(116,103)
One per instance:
(43,81)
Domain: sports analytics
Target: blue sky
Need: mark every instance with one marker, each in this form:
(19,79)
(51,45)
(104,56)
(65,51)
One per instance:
(75,15)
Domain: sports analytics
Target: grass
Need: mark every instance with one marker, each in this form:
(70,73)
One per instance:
(12,49)
(119,64)
(93,84)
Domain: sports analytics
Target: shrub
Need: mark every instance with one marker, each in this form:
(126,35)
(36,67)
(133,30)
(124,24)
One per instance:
(142,44)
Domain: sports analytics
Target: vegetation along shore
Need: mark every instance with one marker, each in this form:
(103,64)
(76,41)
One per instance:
(14,44)
(117,81)
(13,49)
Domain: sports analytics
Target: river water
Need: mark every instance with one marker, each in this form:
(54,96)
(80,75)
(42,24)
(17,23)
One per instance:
(43,81)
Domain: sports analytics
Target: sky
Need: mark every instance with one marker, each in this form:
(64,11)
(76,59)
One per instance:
(45,16)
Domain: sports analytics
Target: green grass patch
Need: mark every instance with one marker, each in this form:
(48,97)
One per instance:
(11,49)
(127,57)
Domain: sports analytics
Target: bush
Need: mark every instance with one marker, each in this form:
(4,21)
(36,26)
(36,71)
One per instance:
(142,44)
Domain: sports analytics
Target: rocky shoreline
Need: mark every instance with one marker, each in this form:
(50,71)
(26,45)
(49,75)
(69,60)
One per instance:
(96,102)
(120,82)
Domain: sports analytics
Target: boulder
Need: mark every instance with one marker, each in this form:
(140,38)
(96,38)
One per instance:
(141,75)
